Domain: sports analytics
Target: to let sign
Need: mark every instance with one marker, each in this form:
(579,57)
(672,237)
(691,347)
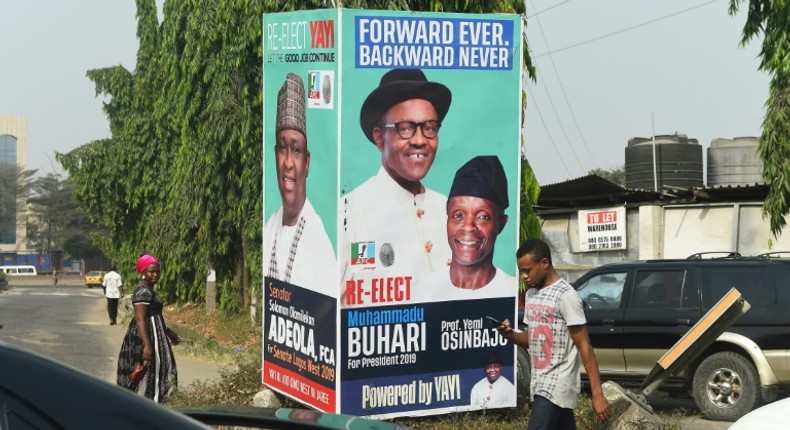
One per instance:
(602,229)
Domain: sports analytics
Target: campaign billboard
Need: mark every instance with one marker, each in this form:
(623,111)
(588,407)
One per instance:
(423,172)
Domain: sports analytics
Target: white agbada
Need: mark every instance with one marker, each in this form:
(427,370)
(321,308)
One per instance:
(410,229)
(314,265)
(438,288)
(112,285)
(497,394)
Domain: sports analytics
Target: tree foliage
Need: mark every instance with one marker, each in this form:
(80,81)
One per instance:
(55,221)
(14,186)
(615,174)
(771,20)
(180,176)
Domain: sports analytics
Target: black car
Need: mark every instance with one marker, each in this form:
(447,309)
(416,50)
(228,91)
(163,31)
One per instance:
(39,393)
(637,310)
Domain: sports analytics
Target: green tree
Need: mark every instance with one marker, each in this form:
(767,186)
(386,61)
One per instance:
(615,174)
(14,187)
(769,19)
(56,222)
(180,177)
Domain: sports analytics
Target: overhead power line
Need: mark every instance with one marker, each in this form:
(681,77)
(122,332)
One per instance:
(567,103)
(652,21)
(548,134)
(547,9)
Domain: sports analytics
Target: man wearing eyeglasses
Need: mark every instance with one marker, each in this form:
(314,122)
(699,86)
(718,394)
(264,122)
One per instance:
(296,247)
(392,225)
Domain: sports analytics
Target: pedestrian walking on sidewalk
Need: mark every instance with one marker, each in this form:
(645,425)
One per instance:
(148,341)
(113,290)
(54,278)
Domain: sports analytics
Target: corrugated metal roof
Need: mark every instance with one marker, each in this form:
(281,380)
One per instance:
(588,191)
(595,191)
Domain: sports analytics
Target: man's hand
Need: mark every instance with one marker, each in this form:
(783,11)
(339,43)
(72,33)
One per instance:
(520,338)
(580,336)
(505,329)
(603,411)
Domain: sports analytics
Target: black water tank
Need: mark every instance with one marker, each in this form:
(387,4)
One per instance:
(735,162)
(678,162)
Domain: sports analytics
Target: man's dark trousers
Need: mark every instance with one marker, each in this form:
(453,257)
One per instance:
(112,310)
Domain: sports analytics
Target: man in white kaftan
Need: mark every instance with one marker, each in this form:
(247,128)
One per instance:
(392,225)
(302,254)
(494,390)
(437,287)
(296,249)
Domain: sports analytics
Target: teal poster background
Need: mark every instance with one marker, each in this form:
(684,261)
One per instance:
(483,120)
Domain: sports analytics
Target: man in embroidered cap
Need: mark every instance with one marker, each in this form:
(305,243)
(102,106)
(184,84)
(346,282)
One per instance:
(494,390)
(475,218)
(392,224)
(296,247)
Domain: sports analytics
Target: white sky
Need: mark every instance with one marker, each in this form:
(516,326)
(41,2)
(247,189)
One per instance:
(46,48)
(686,69)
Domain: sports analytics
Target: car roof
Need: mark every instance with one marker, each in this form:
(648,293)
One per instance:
(276,418)
(773,416)
(675,262)
(73,398)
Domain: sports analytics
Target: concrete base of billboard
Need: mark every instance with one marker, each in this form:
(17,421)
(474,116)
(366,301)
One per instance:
(628,413)
(267,399)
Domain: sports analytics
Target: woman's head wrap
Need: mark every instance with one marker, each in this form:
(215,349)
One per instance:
(144,261)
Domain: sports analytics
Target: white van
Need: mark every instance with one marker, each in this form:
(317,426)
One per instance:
(19,270)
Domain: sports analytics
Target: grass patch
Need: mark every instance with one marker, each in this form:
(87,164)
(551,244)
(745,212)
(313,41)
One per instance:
(215,338)
(237,385)
(231,341)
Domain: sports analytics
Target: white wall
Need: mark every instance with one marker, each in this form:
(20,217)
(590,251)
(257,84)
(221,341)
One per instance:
(676,231)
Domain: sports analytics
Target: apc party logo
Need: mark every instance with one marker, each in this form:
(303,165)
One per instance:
(363,254)
(320,91)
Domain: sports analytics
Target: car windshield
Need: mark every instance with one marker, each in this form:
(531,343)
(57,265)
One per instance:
(602,291)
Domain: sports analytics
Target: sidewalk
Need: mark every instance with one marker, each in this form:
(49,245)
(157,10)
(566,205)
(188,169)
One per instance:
(191,370)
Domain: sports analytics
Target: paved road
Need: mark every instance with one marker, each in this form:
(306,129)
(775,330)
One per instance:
(668,407)
(70,324)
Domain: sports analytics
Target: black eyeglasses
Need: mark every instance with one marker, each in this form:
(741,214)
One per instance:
(406,129)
